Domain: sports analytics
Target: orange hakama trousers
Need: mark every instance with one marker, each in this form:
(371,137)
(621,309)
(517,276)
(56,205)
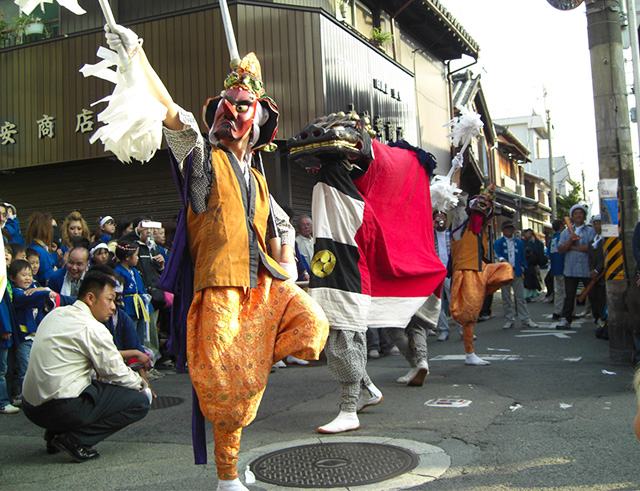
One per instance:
(468,290)
(234,335)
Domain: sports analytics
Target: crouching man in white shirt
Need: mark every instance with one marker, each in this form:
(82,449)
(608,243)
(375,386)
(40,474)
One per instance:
(72,346)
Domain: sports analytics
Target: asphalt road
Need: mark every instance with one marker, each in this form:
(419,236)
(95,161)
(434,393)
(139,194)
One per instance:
(571,431)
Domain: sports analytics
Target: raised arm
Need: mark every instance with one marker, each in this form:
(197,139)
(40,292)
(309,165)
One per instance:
(124,40)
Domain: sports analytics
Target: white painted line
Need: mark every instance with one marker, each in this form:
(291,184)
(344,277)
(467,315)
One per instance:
(556,334)
(484,357)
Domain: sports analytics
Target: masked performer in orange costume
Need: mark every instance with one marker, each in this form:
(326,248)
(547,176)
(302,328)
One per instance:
(244,316)
(473,276)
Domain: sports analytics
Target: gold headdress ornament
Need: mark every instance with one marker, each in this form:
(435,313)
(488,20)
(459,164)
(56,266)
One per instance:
(247,75)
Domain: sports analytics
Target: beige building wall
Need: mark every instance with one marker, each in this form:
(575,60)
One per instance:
(432,96)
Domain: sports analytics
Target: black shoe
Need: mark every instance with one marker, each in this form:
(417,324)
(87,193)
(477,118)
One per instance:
(78,452)
(556,317)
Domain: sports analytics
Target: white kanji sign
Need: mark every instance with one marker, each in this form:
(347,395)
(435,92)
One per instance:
(7,131)
(84,121)
(46,126)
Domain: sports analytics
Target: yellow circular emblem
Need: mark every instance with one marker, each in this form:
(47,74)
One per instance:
(323,263)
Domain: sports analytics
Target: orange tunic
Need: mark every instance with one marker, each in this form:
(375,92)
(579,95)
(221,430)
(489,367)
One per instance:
(227,241)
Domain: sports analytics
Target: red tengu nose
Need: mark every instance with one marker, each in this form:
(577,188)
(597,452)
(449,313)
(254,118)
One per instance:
(229,109)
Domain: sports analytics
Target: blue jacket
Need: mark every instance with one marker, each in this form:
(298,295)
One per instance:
(55,283)
(12,227)
(124,332)
(556,258)
(133,285)
(47,263)
(502,251)
(57,279)
(30,310)
(8,322)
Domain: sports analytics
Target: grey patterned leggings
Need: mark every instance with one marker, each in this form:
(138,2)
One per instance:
(411,341)
(347,360)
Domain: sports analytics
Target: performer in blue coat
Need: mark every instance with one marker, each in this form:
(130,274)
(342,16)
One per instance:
(511,249)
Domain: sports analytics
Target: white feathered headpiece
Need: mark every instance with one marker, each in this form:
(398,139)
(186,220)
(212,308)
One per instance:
(466,126)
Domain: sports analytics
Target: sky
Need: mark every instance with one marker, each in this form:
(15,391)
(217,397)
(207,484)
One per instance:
(525,47)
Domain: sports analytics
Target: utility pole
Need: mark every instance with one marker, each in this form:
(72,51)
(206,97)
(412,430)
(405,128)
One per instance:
(635,56)
(584,189)
(615,156)
(552,179)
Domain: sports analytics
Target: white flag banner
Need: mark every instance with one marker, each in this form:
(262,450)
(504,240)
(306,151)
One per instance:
(3,270)
(28,6)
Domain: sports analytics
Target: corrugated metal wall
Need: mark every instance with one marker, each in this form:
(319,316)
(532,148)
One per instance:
(96,188)
(350,67)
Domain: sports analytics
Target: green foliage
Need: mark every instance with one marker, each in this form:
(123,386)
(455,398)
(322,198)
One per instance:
(564,203)
(380,37)
(22,21)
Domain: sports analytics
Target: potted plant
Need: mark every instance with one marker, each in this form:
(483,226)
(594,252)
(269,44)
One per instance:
(26,25)
(4,31)
(379,37)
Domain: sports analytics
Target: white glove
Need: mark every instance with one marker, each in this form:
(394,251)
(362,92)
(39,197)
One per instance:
(122,38)
(291,270)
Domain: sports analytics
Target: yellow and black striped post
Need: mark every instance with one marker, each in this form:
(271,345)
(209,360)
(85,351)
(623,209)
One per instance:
(614,259)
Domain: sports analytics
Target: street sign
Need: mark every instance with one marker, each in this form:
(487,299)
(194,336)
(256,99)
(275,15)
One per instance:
(565,4)
(540,333)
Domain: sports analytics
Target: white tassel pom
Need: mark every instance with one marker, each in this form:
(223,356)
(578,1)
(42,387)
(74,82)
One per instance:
(133,118)
(444,194)
(465,127)
(28,6)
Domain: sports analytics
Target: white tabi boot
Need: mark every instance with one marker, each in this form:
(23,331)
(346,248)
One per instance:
(415,377)
(345,421)
(234,485)
(375,397)
(475,360)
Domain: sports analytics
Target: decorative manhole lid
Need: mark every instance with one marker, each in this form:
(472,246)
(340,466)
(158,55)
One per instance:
(163,402)
(331,465)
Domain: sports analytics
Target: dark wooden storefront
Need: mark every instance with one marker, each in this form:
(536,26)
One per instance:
(188,51)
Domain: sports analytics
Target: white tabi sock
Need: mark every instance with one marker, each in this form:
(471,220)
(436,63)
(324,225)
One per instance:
(234,485)
(343,422)
(475,360)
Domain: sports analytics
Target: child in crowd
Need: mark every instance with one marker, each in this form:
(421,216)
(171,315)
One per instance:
(31,304)
(135,298)
(34,260)
(106,229)
(99,255)
(19,251)
(12,225)
(8,334)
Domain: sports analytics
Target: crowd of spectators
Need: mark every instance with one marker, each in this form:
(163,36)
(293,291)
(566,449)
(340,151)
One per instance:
(46,267)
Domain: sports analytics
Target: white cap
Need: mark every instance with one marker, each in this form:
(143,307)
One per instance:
(97,247)
(104,220)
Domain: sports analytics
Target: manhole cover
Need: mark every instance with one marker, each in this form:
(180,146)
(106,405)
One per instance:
(330,465)
(163,402)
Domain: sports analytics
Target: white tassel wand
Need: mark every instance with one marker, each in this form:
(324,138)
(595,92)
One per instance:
(133,117)
(444,194)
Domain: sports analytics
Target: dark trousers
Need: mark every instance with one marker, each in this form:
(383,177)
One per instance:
(570,289)
(598,299)
(100,411)
(486,305)
(548,282)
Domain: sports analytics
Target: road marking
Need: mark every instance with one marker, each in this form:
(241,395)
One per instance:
(484,357)
(539,333)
